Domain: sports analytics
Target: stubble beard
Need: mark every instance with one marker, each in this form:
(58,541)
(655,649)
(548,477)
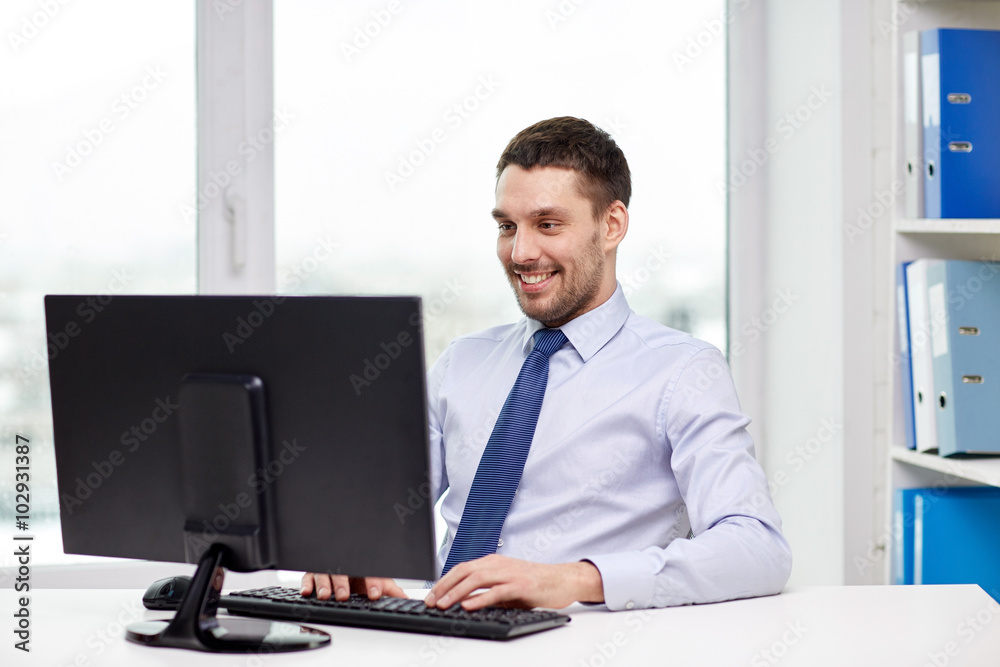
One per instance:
(577,293)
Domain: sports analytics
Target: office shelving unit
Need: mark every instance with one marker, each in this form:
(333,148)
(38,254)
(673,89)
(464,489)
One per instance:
(972,239)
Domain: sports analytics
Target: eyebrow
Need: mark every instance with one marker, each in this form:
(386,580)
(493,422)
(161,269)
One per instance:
(545,212)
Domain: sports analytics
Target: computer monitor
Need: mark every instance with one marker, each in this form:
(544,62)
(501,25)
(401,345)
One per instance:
(241,432)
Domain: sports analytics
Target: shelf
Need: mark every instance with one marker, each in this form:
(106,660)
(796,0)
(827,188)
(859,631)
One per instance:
(948,226)
(979,470)
(969,239)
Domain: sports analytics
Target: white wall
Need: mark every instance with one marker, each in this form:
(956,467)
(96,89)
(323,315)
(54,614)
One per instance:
(801,293)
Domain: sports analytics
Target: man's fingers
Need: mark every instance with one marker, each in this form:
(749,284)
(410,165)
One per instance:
(498,596)
(376,587)
(465,581)
(318,583)
(446,583)
(340,586)
(390,587)
(325,585)
(306,588)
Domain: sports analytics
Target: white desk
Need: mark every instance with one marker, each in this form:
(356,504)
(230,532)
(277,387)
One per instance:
(842,626)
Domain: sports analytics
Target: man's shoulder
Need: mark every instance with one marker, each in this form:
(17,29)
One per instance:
(656,336)
(482,343)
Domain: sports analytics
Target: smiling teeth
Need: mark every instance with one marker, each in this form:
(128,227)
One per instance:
(531,280)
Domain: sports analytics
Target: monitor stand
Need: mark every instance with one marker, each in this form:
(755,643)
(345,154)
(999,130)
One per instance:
(223,431)
(196,626)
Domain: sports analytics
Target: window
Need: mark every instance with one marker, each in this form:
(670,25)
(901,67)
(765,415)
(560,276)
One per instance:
(399,112)
(389,119)
(98,146)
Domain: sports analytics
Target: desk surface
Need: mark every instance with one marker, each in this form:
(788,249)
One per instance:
(842,626)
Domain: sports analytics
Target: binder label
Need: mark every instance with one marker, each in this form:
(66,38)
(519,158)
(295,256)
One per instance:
(939,317)
(904,333)
(911,79)
(932,91)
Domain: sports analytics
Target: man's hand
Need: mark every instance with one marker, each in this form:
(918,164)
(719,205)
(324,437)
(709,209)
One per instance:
(517,583)
(342,586)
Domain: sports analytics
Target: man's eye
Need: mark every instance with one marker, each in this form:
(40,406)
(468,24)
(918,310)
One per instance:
(506,227)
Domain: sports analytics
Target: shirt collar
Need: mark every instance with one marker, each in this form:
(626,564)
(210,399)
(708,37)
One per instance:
(589,332)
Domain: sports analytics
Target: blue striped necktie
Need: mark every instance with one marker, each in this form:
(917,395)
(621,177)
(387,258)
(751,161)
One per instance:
(500,469)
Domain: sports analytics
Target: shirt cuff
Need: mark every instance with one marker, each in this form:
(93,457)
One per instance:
(627,580)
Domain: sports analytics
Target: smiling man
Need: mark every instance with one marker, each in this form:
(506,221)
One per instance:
(619,468)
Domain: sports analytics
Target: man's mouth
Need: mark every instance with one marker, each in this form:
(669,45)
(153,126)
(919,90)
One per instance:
(536,278)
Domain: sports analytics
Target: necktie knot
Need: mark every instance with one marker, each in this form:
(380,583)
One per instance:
(547,341)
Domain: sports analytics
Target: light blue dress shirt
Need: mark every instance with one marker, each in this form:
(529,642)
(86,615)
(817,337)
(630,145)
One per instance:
(640,442)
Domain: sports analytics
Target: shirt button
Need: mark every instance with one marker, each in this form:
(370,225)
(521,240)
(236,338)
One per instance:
(499,543)
(629,605)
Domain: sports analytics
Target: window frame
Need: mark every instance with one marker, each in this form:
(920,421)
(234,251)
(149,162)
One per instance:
(235,139)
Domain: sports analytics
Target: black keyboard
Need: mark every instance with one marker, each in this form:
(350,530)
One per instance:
(391,614)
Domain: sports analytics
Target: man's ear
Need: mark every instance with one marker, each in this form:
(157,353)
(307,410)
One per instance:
(615,225)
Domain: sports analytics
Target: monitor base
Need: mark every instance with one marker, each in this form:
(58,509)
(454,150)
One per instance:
(195,626)
(233,635)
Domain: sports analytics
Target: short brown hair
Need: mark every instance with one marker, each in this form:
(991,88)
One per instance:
(579,145)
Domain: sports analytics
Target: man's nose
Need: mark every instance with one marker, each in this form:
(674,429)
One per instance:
(525,248)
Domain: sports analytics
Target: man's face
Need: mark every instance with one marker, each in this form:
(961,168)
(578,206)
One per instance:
(550,245)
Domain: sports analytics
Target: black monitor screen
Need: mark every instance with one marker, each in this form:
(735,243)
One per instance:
(344,427)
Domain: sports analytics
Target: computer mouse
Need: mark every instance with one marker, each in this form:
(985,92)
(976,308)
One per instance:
(166,593)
